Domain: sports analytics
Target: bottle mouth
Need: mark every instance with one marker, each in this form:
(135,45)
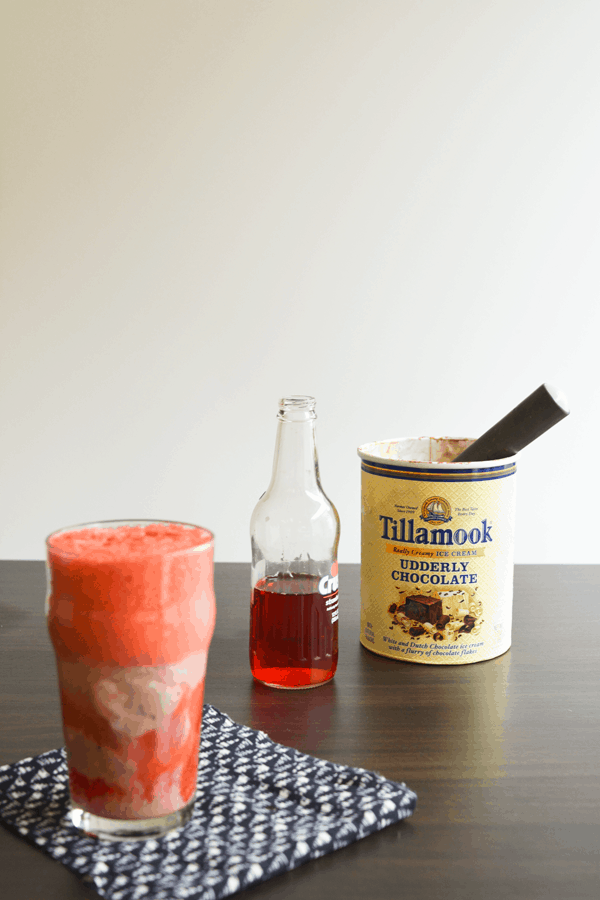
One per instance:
(297,407)
(298,401)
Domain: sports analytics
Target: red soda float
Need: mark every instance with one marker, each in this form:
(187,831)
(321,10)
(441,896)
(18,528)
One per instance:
(131,613)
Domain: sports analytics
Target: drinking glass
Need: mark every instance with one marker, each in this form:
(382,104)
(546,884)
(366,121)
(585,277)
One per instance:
(131,611)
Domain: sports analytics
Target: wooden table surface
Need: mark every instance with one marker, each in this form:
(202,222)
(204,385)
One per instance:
(504,755)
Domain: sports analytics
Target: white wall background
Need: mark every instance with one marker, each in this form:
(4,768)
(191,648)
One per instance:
(207,204)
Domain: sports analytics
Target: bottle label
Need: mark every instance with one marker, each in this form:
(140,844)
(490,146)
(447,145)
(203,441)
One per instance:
(328,585)
(332,607)
(328,588)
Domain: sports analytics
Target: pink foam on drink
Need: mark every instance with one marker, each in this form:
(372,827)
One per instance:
(138,594)
(125,541)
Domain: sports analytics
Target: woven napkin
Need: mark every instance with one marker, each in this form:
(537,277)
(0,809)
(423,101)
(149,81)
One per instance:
(261,809)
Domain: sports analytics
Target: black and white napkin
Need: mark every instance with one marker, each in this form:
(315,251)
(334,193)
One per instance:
(261,809)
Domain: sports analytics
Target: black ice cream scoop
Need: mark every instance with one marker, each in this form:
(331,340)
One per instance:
(522,425)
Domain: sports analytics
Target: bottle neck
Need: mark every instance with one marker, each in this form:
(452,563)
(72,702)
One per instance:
(295,465)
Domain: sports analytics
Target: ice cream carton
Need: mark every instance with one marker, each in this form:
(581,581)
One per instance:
(437,552)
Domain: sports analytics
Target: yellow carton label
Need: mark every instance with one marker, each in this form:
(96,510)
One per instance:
(437,560)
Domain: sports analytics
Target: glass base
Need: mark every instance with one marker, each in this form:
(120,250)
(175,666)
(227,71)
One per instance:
(129,829)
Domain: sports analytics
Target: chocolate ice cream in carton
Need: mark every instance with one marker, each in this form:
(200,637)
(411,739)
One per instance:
(437,552)
(438,525)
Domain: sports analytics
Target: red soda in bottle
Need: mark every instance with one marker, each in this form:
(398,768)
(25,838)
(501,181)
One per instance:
(295,534)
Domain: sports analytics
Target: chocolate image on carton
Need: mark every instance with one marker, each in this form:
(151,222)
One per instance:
(437,552)
(423,609)
(443,617)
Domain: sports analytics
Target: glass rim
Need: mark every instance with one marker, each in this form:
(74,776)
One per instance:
(117,523)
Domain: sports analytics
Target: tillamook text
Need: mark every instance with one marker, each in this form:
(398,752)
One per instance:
(403,531)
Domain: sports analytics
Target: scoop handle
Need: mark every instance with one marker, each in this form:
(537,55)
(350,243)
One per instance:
(522,425)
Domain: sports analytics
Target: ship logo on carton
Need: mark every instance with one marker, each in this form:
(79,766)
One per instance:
(436,509)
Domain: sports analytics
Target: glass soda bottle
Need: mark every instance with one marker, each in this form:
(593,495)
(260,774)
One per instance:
(295,532)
